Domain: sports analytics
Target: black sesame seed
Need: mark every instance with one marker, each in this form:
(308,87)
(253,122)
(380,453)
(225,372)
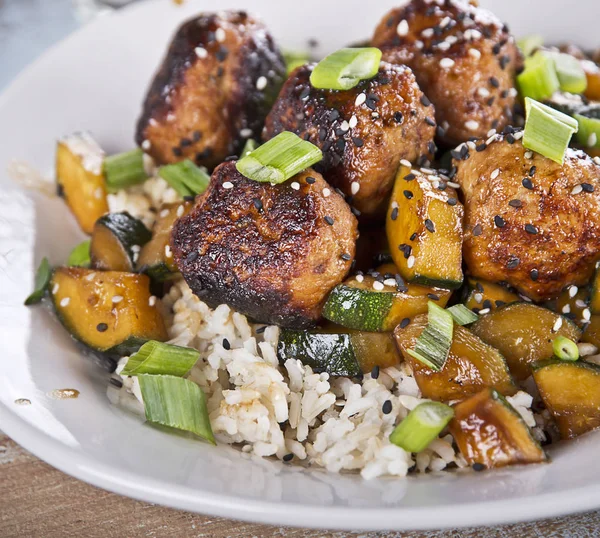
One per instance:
(404,323)
(479,287)
(532,171)
(288,457)
(310,180)
(499,221)
(346,257)
(398,117)
(431,147)
(587,187)
(322,134)
(433,296)
(189,198)
(334,115)
(196,135)
(494,82)
(221,54)
(409,177)
(185,142)
(258,204)
(340,132)
(481,147)
(358,142)
(496,48)
(177,152)
(261,330)
(515,203)
(499,303)
(531,229)
(478,467)
(328,220)
(192,256)
(355,212)
(394,214)
(513,262)
(305,93)
(386,408)
(226,344)
(375,372)
(116,382)
(327,145)
(408,194)
(477,230)
(533,274)
(429,121)
(490,102)
(527,183)
(429,225)
(452,201)
(340,144)
(425,101)
(231,158)
(413,236)
(371,104)
(487,304)
(101,327)
(60,190)
(504,61)
(510,138)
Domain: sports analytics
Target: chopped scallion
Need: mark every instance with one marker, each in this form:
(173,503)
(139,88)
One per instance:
(185,177)
(433,345)
(295,59)
(462,315)
(547,130)
(565,349)
(571,75)
(159,358)
(124,170)
(177,403)
(279,159)
(345,68)
(42,279)
(249,147)
(530,44)
(538,80)
(589,131)
(422,425)
(80,255)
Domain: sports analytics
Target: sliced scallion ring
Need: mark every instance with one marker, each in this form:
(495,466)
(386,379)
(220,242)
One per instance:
(538,80)
(185,177)
(42,279)
(124,170)
(279,159)
(565,349)
(462,315)
(163,359)
(547,131)
(530,44)
(571,75)
(345,68)
(589,131)
(422,425)
(80,255)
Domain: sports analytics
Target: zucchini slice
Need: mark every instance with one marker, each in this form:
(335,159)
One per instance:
(116,242)
(595,295)
(489,431)
(155,258)
(571,305)
(591,333)
(571,392)
(367,304)
(523,333)
(337,351)
(79,177)
(471,365)
(488,296)
(106,310)
(424,230)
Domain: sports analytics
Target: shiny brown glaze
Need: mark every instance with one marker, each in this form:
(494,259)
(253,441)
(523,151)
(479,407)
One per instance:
(464,59)
(203,107)
(266,250)
(391,125)
(564,244)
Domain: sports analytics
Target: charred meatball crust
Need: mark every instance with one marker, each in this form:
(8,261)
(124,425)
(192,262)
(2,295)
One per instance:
(272,252)
(465,61)
(530,221)
(363,132)
(213,90)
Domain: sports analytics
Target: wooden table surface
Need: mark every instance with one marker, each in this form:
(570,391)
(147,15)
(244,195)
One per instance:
(36,500)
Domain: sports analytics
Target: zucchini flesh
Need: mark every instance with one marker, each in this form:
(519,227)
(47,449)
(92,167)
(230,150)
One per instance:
(595,294)
(489,431)
(155,259)
(571,392)
(523,333)
(591,333)
(82,185)
(484,295)
(424,231)
(106,310)
(358,305)
(115,239)
(571,307)
(471,365)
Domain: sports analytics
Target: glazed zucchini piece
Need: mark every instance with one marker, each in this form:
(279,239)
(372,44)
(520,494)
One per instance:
(471,365)
(487,296)
(368,304)
(595,294)
(489,431)
(116,242)
(591,332)
(523,333)
(571,392)
(108,311)
(572,303)
(155,258)
(424,230)
(80,179)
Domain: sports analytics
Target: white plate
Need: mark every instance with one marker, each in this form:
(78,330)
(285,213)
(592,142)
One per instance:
(95,80)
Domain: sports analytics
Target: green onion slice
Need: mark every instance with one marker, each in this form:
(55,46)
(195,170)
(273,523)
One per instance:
(249,147)
(159,358)
(588,134)
(571,75)
(433,345)
(80,255)
(538,80)
(279,159)
(295,59)
(462,315)
(124,170)
(565,349)
(177,403)
(345,68)
(529,44)
(547,130)
(185,177)
(42,279)
(422,425)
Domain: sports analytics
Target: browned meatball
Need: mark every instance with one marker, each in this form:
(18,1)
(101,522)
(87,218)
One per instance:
(530,221)
(273,252)
(363,132)
(213,90)
(464,60)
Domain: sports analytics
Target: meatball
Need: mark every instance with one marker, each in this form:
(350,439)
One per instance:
(464,60)
(213,90)
(272,252)
(363,132)
(530,221)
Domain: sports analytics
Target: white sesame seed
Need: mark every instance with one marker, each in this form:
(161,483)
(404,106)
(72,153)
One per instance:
(491,140)
(406,163)
(170,117)
(326,192)
(573,291)
(228,185)
(586,314)
(55,288)
(246,133)
(65,301)
(168,252)
(353,122)
(117,299)
(427,33)
(180,210)
(446,63)
(410,262)
(153,122)
(577,189)
(592,140)
(360,99)
(135,248)
(475,53)
(453,185)
(528,154)
(395,205)
(152,300)
(597,160)
(345,126)
(566,309)
(201,52)
(451,39)
(491,133)
(261,83)
(444,46)
(295,185)
(428,171)
(402,28)
(484,311)
(580,303)
(495,173)
(220,35)
(586,349)
(478,297)
(390,282)
(483,92)
(354,187)
(377,285)
(419,44)
(146,145)
(375,115)
(90,277)
(163,213)
(472,125)
(444,22)
(359,278)
(518,135)
(98,193)
(557,324)
(512,92)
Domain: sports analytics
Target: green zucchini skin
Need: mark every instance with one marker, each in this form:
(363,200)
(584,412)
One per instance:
(432,282)
(159,272)
(323,352)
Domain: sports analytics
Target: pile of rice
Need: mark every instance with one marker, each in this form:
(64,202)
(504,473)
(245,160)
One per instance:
(288,411)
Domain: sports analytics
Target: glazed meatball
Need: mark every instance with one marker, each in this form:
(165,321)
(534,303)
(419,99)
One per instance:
(464,60)
(213,91)
(530,221)
(363,132)
(272,252)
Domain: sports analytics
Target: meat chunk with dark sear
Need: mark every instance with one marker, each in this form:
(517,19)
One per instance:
(272,252)
(363,132)
(213,90)
(465,61)
(530,221)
